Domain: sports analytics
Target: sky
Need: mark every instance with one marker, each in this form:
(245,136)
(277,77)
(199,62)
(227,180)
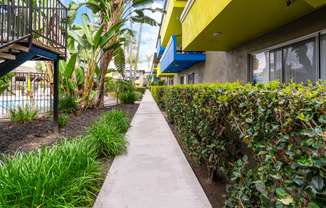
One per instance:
(148,39)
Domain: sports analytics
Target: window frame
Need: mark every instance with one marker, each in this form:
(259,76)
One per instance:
(317,40)
(183,80)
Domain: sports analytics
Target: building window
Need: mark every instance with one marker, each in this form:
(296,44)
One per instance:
(260,67)
(323,57)
(191,78)
(297,62)
(182,80)
(300,62)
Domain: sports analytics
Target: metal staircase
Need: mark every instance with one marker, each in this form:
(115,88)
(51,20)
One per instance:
(33,30)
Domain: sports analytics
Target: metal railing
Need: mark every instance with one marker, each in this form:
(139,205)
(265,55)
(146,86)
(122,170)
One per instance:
(37,94)
(42,20)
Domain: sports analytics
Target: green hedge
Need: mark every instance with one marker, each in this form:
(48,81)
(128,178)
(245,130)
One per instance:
(157,93)
(281,126)
(140,89)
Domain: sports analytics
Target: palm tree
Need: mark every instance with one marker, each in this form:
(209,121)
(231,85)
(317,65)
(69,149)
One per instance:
(149,61)
(113,12)
(137,54)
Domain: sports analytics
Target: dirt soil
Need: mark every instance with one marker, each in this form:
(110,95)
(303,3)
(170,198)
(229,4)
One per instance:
(214,190)
(28,136)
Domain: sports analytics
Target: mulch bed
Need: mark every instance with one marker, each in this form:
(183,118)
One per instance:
(214,190)
(28,136)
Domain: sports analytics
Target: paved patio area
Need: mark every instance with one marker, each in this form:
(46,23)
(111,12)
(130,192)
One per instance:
(154,173)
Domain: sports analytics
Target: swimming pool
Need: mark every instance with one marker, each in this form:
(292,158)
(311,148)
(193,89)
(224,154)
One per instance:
(22,102)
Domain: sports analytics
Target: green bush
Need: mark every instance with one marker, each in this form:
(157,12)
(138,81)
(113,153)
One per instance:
(23,115)
(64,175)
(158,83)
(116,118)
(128,97)
(141,89)
(139,95)
(63,119)
(269,140)
(106,135)
(157,93)
(67,105)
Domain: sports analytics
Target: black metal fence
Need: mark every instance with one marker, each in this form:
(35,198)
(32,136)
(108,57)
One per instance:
(30,89)
(43,20)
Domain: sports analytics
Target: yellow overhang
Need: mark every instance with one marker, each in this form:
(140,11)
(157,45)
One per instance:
(235,21)
(172,23)
(159,74)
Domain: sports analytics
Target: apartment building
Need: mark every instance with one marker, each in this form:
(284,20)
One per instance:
(246,40)
(140,77)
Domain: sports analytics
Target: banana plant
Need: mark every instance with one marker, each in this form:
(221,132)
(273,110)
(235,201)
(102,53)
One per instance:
(112,12)
(92,43)
(65,71)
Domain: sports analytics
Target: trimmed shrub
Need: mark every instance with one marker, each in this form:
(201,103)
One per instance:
(140,89)
(157,93)
(158,83)
(277,154)
(23,115)
(67,105)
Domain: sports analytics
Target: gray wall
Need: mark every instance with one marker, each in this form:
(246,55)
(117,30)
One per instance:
(233,65)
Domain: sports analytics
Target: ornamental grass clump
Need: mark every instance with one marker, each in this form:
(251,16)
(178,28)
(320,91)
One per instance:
(128,97)
(270,140)
(67,104)
(117,118)
(64,175)
(106,135)
(23,115)
(107,140)
(63,119)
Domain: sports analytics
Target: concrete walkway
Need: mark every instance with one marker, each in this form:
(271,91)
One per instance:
(154,173)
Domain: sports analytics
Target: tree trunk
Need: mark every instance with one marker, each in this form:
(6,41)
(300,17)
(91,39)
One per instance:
(130,62)
(138,47)
(107,57)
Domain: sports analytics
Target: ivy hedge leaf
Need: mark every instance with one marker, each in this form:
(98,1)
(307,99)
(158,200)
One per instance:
(318,182)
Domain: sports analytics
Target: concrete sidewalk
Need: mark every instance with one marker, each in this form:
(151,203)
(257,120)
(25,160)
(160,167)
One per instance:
(154,173)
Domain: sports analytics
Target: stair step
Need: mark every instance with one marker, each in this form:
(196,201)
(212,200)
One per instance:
(15,47)
(20,48)
(7,56)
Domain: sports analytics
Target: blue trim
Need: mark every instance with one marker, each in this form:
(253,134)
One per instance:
(10,65)
(44,53)
(35,52)
(174,62)
(160,49)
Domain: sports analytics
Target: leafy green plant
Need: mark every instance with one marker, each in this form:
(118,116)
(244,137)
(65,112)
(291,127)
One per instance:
(280,127)
(23,115)
(107,140)
(141,89)
(65,174)
(5,81)
(139,95)
(63,119)
(118,119)
(67,104)
(128,97)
